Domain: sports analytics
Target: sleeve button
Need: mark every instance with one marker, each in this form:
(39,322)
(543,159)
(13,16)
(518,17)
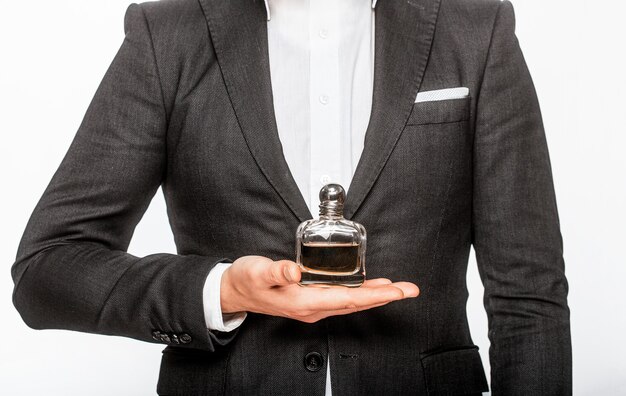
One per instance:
(185,338)
(165,338)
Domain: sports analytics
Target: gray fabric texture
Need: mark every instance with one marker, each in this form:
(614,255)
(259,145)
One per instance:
(187,105)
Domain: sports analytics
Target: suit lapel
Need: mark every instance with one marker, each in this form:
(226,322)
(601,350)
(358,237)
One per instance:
(403,36)
(239,33)
(404,32)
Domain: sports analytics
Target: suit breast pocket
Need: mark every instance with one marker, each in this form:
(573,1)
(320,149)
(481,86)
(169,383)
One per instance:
(440,112)
(433,156)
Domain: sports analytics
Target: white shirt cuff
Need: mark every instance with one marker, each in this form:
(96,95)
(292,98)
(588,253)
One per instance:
(215,319)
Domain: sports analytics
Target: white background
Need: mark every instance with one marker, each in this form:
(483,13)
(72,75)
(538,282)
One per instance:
(53,55)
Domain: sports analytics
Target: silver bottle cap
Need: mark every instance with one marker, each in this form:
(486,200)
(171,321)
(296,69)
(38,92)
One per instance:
(332,197)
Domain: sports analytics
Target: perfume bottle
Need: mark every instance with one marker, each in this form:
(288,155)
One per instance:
(331,250)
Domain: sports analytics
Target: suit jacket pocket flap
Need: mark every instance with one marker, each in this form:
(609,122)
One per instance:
(457,371)
(439,111)
(188,371)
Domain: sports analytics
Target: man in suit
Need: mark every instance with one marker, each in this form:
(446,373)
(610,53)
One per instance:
(453,154)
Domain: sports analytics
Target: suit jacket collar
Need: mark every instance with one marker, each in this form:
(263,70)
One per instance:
(404,31)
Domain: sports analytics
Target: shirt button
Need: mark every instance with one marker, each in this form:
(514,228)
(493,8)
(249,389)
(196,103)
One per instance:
(324,99)
(323,33)
(313,361)
(325,179)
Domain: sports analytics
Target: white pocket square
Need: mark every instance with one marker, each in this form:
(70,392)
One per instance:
(442,94)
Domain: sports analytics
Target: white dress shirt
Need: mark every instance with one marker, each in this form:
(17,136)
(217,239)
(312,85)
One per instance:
(321,55)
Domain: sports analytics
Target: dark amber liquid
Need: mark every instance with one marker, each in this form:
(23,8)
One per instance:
(331,258)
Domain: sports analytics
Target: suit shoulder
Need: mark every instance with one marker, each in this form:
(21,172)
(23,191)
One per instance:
(173,16)
(473,13)
(474,6)
(178,28)
(170,7)
(469,20)
(180,40)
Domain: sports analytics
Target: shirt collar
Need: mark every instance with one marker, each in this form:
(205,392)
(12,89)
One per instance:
(267,7)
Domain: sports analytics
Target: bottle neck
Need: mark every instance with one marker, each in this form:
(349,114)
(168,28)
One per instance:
(331,210)
(331,217)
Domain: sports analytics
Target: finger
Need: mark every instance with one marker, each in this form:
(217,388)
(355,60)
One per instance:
(330,299)
(352,310)
(324,314)
(408,289)
(282,272)
(376,282)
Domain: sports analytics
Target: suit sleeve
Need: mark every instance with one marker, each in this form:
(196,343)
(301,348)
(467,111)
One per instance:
(515,228)
(72,269)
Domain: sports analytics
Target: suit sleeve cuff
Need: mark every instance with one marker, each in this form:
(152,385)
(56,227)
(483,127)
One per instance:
(215,319)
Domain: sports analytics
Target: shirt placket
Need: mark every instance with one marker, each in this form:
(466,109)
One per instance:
(324,97)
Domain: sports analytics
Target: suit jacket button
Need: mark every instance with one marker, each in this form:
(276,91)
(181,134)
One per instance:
(156,335)
(165,338)
(313,361)
(185,338)
(175,339)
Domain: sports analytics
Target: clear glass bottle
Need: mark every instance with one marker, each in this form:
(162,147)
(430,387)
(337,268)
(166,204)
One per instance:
(331,250)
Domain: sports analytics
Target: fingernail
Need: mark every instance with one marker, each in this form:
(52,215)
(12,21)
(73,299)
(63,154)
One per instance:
(287,274)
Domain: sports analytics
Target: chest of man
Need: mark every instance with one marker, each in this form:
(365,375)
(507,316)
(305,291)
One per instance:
(230,192)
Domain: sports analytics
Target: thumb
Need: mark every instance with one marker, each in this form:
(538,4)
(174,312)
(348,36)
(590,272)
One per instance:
(283,272)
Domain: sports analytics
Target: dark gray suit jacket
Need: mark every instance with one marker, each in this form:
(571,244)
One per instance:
(187,105)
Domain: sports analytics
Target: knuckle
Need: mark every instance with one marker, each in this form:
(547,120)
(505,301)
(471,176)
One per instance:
(306,312)
(256,280)
(253,272)
(299,312)
(274,275)
(306,306)
(290,312)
